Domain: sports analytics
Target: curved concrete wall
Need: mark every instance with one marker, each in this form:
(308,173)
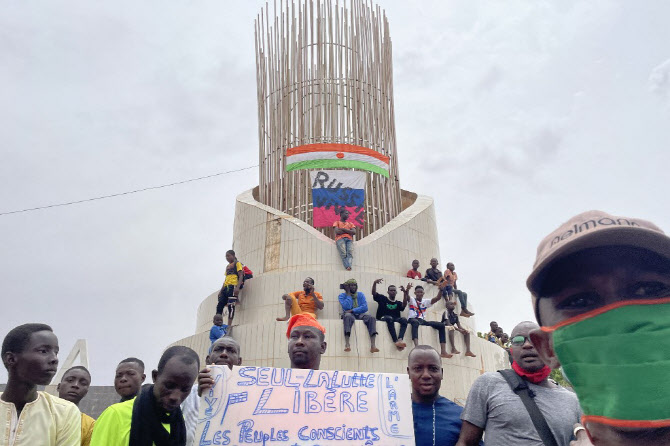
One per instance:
(283,250)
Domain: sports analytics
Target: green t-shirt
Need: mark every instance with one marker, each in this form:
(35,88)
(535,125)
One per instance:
(112,428)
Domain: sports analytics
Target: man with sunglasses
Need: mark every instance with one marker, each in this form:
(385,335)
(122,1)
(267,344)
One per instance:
(601,292)
(493,406)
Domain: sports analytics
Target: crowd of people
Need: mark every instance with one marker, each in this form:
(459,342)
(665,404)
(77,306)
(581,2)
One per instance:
(600,291)
(354,306)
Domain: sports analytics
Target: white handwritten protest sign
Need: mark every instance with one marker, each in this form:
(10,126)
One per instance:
(268,406)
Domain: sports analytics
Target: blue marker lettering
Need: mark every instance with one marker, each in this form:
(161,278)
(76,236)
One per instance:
(243,373)
(344,400)
(311,405)
(204,442)
(333,381)
(260,407)
(245,431)
(361,404)
(296,401)
(306,383)
(290,383)
(274,381)
(263,376)
(328,403)
(323,379)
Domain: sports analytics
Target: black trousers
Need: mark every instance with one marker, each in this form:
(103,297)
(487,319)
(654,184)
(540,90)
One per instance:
(390,320)
(415,322)
(224,295)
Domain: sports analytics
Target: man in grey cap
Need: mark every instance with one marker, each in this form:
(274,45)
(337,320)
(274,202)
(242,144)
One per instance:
(601,293)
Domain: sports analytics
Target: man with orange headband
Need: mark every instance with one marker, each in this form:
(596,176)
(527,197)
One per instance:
(306,341)
(496,402)
(601,292)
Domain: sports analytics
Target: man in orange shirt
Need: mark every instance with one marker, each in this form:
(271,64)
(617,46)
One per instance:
(304,301)
(344,232)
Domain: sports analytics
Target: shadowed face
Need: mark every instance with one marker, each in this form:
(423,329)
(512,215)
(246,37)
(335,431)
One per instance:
(173,384)
(225,351)
(592,279)
(418,293)
(128,379)
(308,285)
(425,373)
(305,347)
(74,385)
(38,362)
(433,262)
(392,292)
(415,264)
(525,354)
(597,277)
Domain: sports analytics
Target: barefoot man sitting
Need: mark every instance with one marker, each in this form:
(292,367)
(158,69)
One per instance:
(304,301)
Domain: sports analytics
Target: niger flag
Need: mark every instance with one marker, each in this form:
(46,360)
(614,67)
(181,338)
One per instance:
(330,156)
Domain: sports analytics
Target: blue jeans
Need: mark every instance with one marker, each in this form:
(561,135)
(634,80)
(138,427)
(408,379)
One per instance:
(345,246)
(463,297)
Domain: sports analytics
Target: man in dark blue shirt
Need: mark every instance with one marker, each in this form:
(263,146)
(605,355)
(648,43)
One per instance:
(437,420)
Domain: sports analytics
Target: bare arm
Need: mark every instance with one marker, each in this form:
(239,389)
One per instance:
(240,279)
(318,302)
(374,287)
(436,299)
(405,292)
(470,434)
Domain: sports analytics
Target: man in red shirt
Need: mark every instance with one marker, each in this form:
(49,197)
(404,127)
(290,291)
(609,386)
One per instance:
(344,238)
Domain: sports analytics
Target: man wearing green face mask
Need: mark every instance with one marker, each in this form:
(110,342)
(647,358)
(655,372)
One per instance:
(601,294)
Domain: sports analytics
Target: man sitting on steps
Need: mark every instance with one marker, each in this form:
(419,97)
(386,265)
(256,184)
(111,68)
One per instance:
(304,301)
(354,306)
(390,310)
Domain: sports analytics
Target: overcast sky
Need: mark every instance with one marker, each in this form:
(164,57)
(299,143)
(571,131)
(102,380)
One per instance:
(512,115)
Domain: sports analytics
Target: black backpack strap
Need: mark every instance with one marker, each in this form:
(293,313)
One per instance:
(520,387)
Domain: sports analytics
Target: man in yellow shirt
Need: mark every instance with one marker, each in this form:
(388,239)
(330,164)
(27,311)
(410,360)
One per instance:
(153,417)
(230,289)
(304,301)
(73,387)
(29,417)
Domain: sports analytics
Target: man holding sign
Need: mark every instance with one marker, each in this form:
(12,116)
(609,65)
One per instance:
(436,419)
(224,351)
(306,342)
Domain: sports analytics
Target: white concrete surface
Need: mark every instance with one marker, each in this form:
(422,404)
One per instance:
(283,250)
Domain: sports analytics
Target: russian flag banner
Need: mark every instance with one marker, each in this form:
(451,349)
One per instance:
(333,190)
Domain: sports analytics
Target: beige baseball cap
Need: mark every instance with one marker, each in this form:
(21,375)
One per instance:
(593,229)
